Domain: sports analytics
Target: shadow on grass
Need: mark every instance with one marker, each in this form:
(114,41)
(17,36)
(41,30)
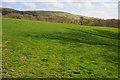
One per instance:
(100,37)
(108,34)
(100,33)
(74,36)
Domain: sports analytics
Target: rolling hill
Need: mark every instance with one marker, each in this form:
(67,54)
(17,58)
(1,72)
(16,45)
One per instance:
(55,14)
(38,49)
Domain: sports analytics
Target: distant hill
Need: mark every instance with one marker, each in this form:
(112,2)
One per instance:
(44,13)
(58,16)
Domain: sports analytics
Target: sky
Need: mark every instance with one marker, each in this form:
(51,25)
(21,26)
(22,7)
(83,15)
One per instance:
(105,9)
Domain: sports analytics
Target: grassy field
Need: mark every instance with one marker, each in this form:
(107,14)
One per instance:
(35,49)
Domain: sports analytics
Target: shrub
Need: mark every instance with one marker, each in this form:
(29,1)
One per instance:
(14,15)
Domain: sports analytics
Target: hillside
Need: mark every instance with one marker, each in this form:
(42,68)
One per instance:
(38,49)
(55,14)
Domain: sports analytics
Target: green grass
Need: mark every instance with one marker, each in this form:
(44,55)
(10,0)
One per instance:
(35,49)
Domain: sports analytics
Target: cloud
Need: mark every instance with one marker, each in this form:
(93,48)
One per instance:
(109,5)
(99,14)
(100,9)
(9,1)
(60,0)
(46,0)
(81,5)
(90,5)
(54,5)
(29,5)
(74,0)
(90,0)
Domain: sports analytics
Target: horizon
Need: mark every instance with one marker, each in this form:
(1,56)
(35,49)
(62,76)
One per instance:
(95,8)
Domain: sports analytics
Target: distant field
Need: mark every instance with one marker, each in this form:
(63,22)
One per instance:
(35,49)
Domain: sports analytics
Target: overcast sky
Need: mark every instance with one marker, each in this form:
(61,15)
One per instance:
(94,8)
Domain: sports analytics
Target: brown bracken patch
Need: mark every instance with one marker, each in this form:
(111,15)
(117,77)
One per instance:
(23,58)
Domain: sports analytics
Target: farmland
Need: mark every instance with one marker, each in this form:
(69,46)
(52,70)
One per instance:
(38,49)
